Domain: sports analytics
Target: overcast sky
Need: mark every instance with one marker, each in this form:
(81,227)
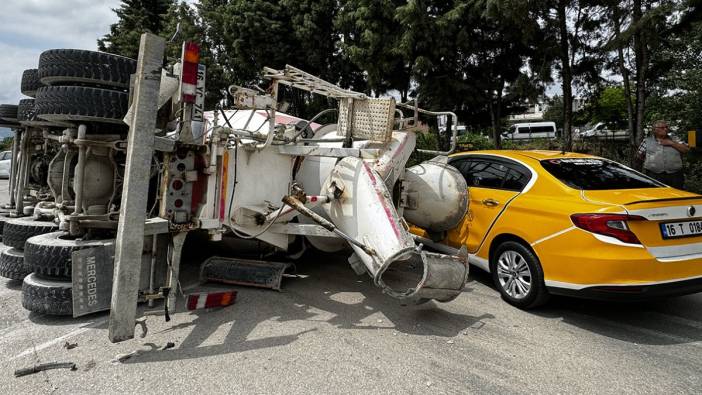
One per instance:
(28,27)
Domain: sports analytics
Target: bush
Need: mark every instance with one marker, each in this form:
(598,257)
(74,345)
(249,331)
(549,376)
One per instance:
(473,142)
(426,140)
(535,144)
(430,141)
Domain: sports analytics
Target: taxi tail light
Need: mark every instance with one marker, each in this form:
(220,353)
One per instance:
(613,225)
(188,74)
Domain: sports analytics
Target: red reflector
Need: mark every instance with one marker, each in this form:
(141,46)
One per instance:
(613,225)
(189,75)
(211,299)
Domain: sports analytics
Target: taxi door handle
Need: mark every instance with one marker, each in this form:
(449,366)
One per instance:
(491,202)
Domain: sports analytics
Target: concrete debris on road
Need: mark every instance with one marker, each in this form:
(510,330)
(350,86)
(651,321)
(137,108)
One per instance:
(144,330)
(70,346)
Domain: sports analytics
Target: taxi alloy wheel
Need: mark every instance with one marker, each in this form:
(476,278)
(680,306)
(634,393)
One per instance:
(514,274)
(518,276)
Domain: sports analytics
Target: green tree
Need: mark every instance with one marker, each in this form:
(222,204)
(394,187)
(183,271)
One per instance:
(371,40)
(677,94)
(184,18)
(247,35)
(466,54)
(640,31)
(135,18)
(611,106)
(554,113)
(573,39)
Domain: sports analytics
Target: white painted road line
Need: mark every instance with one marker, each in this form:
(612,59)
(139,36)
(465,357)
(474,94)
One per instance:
(58,339)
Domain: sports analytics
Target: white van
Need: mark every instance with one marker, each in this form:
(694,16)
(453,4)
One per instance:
(602,131)
(532,130)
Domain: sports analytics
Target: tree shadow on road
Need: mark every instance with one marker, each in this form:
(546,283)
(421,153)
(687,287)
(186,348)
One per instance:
(662,322)
(669,321)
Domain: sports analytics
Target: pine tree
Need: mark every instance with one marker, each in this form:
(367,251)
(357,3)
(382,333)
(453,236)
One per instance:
(370,39)
(192,29)
(135,18)
(247,35)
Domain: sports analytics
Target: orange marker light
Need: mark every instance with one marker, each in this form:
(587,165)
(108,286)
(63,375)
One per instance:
(188,73)
(191,52)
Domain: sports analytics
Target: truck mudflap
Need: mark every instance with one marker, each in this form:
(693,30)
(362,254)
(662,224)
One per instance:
(252,273)
(364,212)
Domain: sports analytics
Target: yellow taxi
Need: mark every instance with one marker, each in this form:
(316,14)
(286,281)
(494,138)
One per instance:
(544,222)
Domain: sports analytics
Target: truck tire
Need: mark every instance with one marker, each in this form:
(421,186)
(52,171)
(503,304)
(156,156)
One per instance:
(30,82)
(12,264)
(47,296)
(4,217)
(81,103)
(76,66)
(8,113)
(50,255)
(27,116)
(16,231)
(25,110)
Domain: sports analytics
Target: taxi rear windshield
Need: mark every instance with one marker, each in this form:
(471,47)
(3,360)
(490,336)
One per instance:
(596,174)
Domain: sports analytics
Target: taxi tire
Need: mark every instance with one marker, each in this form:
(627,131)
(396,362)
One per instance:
(538,294)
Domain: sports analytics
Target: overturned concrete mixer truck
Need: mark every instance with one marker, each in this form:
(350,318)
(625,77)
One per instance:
(116,163)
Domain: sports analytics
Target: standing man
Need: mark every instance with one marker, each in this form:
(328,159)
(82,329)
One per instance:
(662,155)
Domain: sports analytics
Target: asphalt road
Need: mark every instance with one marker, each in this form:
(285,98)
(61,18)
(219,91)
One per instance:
(330,331)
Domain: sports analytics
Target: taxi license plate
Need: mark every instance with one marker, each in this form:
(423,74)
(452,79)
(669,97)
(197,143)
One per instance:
(672,230)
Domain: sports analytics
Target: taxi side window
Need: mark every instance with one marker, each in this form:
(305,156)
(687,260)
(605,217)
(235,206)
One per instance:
(482,173)
(494,174)
(464,166)
(517,177)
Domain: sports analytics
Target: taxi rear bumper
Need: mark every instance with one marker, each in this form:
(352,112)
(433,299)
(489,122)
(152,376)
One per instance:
(632,292)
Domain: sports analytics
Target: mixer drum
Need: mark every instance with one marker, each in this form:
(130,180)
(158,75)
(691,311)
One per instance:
(437,196)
